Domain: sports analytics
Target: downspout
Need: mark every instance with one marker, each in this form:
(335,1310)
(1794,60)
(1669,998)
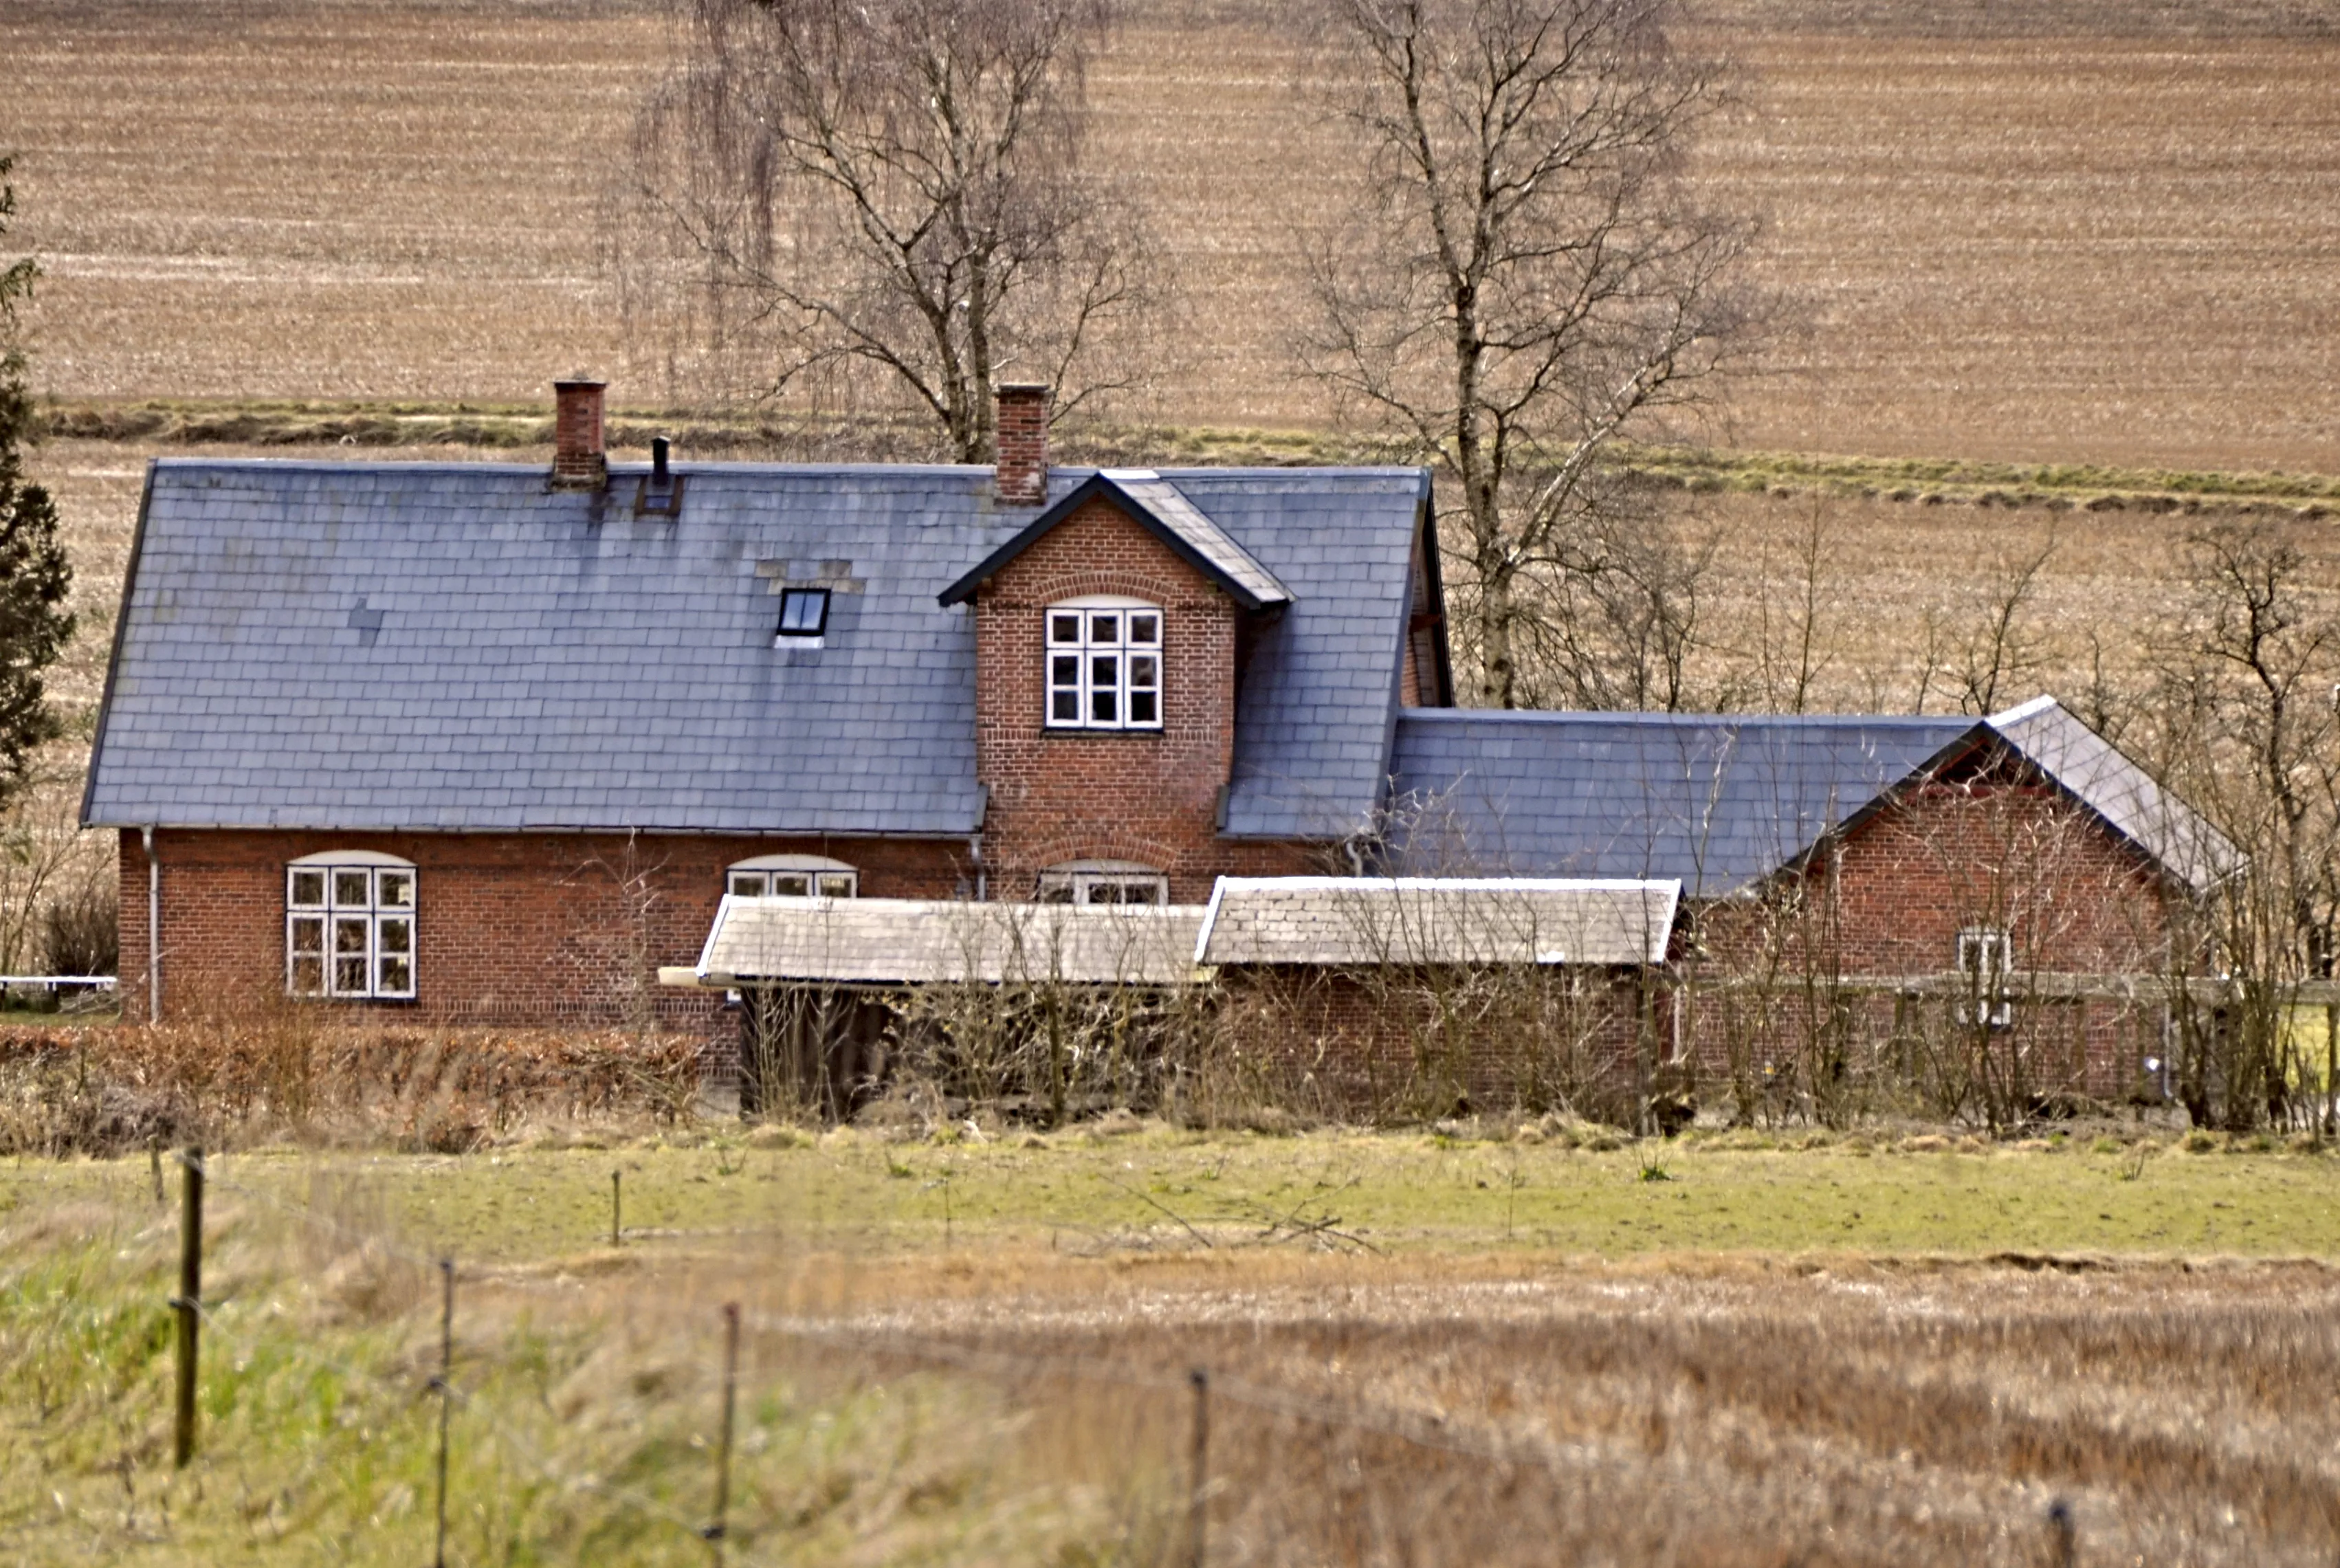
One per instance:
(153,927)
(975,853)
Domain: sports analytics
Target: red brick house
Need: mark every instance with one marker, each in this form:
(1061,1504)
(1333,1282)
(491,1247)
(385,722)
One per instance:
(475,743)
(482,743)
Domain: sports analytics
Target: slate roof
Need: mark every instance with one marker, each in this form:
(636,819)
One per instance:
(1155,503)
(2095,772)
(454,645)
(886,941)
(1720,801)
(1368,921)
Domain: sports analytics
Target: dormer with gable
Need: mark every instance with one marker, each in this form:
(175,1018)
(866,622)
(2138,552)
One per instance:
(1110,639)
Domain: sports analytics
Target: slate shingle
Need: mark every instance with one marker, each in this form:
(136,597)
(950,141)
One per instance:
(544,660)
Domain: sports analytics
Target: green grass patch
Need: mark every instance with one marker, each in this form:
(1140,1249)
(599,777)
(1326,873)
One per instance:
(1393,1193)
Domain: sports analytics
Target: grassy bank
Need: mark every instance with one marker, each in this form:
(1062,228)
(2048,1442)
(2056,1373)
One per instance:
(499,428)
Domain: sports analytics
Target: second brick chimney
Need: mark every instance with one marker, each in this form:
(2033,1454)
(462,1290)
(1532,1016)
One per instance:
(578,460)
(1023,440)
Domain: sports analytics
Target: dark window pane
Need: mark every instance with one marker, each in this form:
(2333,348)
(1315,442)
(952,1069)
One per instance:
(791,884)
(836,884)
(1065,670)
(1145,669)
(395,890)
(1064,629)
(1067,707)
(747,884)
(1101,706)
(803,610)
(349,937)
(1147,629)
(309,889)
(1104,669)
(1105,627)
(397,937)
(397,977)
(352,891)
(308,974)
(350,976)
(1139,892)
(1141,708)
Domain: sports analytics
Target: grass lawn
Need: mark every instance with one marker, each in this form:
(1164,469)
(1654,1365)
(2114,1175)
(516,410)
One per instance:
(1158,1190)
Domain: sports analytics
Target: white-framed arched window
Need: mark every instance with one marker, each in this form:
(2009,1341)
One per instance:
(349,925)
(1104,656)
(1103,882)
(791,877)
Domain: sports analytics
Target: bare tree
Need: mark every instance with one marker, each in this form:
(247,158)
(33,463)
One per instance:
(1528,278)
(2246,726)
(889,196)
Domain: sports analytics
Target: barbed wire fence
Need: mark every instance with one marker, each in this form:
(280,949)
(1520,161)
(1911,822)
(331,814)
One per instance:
(1201,1386)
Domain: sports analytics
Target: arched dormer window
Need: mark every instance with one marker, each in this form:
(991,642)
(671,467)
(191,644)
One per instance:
(1104,663)
(791,877)
(349,925)
(1103,882)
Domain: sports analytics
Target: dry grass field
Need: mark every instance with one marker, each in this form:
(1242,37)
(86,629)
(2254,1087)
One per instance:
(2068,229)
(978,1353)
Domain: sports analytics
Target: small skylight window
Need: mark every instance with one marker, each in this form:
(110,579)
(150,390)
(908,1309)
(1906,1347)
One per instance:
(804,614)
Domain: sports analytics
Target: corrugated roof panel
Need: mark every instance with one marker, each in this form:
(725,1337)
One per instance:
(889,941)
(1353,921)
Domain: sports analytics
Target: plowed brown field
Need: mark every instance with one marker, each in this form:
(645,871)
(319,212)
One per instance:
(2077,229)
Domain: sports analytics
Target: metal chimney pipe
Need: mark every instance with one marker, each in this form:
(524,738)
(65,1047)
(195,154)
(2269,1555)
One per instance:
(658,460)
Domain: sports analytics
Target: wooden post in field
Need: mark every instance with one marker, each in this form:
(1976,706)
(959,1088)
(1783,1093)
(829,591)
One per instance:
(715,1530)
(446,1384)
(2331,1062)
(2062,1542)
(1198,1499)
(188,1301)
(614,1209)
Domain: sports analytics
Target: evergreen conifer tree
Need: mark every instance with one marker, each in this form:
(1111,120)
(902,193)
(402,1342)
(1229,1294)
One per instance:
(34,574)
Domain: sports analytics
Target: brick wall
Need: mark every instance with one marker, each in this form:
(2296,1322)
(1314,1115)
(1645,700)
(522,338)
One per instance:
(1142,795)
(1988,846)
(512,928)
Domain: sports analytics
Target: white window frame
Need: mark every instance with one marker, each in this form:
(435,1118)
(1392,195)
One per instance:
(1986,955)
(805,877)
(1103,882)
(1092,679)
(350,926)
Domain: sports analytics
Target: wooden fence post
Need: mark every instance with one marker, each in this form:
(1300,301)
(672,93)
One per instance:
(189,1303)
(715,1530)
(1198,1500)
(446,1382)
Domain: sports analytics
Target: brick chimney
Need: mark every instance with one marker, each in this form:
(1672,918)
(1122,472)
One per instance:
(1022,437)
(577,462)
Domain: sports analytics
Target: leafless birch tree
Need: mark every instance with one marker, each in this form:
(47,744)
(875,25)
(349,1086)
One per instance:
(887,196)
(1528,279)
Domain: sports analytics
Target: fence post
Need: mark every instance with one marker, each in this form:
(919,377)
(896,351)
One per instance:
(2063,1544)
(154,1164)
(445,1380)
(614,1209)
(188,1302)
(715,1532)
(1198,1499)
